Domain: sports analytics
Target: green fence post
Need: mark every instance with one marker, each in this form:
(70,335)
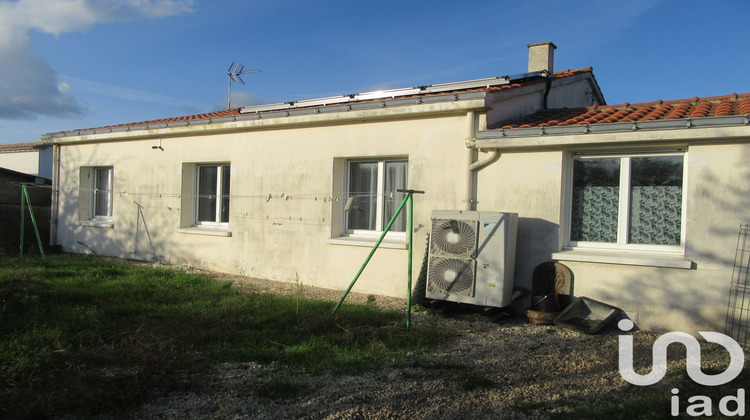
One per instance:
(23,221)
(408,281)
(25,193)
(409,258)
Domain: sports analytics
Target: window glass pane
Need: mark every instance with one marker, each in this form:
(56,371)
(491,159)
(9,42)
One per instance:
(363,184)
(225,194)
(655,200)
(102,192)
(595,200)
(395,179)
(207,177)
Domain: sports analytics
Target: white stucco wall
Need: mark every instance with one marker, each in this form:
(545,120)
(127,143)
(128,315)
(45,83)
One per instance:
(530,183)
(527,184)
(277,239)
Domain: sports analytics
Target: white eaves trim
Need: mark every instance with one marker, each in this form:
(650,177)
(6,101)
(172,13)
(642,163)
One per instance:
(491,139)
(249,122)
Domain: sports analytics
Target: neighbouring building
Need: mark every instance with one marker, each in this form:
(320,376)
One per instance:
(642,201)
(29,158)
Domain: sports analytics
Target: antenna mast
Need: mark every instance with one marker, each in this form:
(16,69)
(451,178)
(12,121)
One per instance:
(234,72)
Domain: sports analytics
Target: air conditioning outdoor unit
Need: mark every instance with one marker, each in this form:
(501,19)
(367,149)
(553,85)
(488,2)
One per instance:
(471,257)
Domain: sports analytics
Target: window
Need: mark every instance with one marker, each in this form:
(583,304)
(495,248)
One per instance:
(212,194)
(102,193)
(95,196)
(627,201)
(371,196)
(205,197)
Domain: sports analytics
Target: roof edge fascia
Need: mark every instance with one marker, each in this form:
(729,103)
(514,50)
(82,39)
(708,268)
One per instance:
(595,135)
(282,120)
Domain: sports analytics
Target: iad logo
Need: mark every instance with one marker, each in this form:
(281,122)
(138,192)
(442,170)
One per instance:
(703,404)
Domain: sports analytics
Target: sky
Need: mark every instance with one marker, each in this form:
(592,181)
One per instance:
(74,64)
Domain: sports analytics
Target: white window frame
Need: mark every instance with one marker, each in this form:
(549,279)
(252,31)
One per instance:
(87,197)
(380,222)
(624,207)
(95,175)
(219,201)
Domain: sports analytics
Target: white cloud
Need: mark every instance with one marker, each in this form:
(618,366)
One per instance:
(28,85)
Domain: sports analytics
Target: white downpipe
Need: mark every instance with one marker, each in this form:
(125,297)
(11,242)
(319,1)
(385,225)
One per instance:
(55,194)
(492,155)
(469,181)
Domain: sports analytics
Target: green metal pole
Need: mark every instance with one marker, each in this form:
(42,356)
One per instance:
(408,287)
(23,222)
(411,247)
(377,244)
(33,221)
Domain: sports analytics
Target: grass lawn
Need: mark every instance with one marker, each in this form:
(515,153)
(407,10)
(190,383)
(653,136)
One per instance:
(89,335)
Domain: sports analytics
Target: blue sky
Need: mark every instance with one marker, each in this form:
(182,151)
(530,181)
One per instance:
(70,64)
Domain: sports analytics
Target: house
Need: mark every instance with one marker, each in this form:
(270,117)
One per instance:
(302,190)
(34,158)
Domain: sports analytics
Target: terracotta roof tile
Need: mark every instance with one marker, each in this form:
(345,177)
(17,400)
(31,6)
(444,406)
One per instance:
(23,146)
(745,106)
(716,106)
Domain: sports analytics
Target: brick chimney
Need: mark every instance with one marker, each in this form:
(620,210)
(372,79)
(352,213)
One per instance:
(542,57)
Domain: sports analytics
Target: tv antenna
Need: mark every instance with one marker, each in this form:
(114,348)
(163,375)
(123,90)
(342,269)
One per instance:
(235,71)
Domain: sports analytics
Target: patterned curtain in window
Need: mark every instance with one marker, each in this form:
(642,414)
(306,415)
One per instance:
(655,215)
(595,200)
(594,213)
(656,200)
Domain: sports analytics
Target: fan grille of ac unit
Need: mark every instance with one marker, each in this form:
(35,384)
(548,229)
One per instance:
(453,237)
(453,276)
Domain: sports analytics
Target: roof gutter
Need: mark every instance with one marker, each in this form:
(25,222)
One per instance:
(714,130)
(618,127)
(344,114)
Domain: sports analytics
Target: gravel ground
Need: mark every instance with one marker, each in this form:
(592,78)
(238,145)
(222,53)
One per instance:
(491,369)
